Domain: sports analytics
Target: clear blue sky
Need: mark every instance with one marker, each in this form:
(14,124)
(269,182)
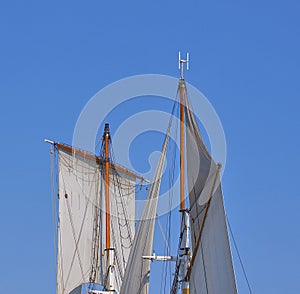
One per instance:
(244,57)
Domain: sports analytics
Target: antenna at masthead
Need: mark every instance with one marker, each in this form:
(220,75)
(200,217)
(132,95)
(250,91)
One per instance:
(181,64)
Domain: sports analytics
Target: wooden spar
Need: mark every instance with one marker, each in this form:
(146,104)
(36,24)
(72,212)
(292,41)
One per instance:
(182,90)
(184,252)
(97,159)
(106,139)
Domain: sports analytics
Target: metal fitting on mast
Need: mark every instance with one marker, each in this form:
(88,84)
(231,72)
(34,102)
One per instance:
(111,271)
(181,64)
(184,251)
(106,129)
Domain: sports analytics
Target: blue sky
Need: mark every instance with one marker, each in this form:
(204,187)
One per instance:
(55,55)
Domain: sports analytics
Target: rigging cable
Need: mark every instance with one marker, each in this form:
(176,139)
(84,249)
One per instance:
(172,181)
(96,237)
(163,235)
(174,285)
(239,256)
(167,267)
(120,189)
(76,242)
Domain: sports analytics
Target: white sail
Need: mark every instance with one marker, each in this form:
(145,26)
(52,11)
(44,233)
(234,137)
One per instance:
(78,196)
(211,265)
(81,230)
(136,278)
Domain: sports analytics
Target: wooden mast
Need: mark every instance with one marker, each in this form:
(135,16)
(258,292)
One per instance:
(110,251)
(181,90)
(106,138)
(182,126)
(184,252)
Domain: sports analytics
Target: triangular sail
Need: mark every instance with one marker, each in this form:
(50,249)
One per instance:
(211,268)
(137,272)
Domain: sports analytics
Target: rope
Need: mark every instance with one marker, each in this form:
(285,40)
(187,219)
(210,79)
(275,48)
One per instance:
(239,256)
(173,150)
(122,216)
(96,238)
(174,284)
(76,243)
(163,235)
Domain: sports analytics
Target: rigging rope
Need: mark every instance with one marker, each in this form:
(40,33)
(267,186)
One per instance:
(121,229)
(239,256)
(166,267)
(76,242)
(96,238)
(163,235)
(117,259)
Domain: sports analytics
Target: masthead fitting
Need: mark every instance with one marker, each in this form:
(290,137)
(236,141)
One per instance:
(106,129)
(181,64)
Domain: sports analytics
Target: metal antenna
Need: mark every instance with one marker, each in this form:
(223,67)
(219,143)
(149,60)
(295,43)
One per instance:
(181,64)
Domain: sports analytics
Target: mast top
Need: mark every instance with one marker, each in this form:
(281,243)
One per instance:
(181,64)
(106,129)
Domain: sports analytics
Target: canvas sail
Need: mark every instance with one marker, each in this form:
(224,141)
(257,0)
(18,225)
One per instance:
(81,199)
(211,265)
(136,278)
(78,191)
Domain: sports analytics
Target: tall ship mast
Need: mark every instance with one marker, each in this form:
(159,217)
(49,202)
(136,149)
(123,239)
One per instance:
(100,246)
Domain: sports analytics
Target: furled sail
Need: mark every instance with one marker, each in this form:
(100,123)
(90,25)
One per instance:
(211,269)
(81,233)
(136,278)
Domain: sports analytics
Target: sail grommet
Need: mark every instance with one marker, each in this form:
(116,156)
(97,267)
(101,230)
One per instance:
(66,195)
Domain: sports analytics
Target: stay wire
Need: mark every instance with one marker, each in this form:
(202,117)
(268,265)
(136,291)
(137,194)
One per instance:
(239,256)
(171,192)
(167,266)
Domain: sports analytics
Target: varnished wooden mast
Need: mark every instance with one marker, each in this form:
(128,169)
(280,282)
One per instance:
(181,63)
(184,252)
(181,90)
(106,138)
